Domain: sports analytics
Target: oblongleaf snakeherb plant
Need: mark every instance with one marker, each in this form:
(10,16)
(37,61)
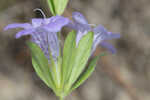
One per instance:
(63,69)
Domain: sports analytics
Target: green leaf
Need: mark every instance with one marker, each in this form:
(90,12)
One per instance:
(40,64)
(55,70)
(81,57)
(51,6)
(60,6)
(85,75)
(68,51)
(57,7)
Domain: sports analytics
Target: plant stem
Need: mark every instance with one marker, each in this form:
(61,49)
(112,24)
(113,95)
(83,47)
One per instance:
(61,98)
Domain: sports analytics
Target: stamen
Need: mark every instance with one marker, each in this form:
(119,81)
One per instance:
(37,9)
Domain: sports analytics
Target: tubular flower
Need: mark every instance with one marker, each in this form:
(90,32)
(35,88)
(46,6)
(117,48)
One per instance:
(80,24)
(43,32)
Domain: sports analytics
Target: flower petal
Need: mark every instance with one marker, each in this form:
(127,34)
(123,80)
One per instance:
(80,34)
(18,25)
(24,32)
(99,36)
(56,23)
(46,40)
(53,43)
(82,29)
(100,30)
(40,38)
(97,39)
(72,26)
(108,46)
(36,22)
(79,18)
(111,35)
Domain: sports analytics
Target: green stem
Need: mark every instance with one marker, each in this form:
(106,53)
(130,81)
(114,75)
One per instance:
(61,98)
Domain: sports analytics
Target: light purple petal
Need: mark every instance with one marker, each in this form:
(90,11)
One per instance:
(100,30)
(97,39)
(36,22)
(56,23)
(108,46)
(24,32)
(79,35)
(53,43)
(80,24)
(111,35)
(99,36)
(72,26)
(79,18)
(40,38)
(82,29)
(18,25)
(46,41)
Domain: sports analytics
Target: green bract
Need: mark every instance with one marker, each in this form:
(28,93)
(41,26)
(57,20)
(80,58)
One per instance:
(88,71)
(69,71)
(78,59)
(57,7)
(40,64)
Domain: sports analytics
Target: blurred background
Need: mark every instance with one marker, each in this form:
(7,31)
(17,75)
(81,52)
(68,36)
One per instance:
(123,76)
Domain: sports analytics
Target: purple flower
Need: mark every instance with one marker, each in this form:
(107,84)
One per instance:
(43,32)
(80,24)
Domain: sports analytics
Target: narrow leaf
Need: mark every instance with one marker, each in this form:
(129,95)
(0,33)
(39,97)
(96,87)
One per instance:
(39,72)
(55,70)
(68,51)
(85,75)
(40,64)
(60,6)
(81,55)
(51,6)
